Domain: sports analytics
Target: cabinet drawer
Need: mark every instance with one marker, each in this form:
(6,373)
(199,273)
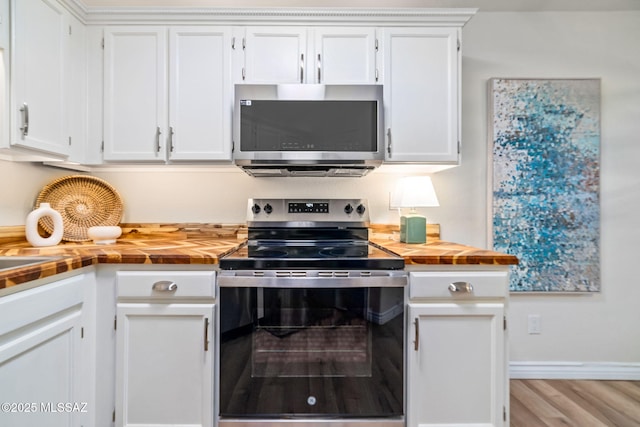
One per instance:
(458,285)
(165,284)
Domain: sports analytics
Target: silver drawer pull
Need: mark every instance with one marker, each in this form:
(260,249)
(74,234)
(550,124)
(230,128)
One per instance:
(165,286)
(461,287)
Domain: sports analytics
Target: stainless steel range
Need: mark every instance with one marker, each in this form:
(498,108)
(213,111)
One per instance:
(311,320)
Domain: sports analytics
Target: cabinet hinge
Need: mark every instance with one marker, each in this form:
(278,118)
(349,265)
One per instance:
(102,147)
(377,75)
(102,43)
(458,147)
(233,146)
(458,44)
(233,43)
(244,43)
(113,417)
(244,73)
(504,413)
(376,45)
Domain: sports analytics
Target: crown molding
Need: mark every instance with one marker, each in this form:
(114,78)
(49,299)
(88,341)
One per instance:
(455,17)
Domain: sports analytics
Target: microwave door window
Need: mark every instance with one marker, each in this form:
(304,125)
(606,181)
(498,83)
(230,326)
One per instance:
(348,126)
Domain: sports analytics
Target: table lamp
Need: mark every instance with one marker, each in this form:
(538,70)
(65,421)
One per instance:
(413,192)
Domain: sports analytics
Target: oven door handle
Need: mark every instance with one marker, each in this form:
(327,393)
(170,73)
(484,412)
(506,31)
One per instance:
(282,280)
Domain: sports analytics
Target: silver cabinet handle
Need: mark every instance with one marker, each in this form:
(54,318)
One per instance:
(25,119)
(416,343)
(158,134)
(206,334)
(302,68)
(171,138)
(319,69)
(461,287)
(165,286)
(389,141)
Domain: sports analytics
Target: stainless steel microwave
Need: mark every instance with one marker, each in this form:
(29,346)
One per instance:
(307,129)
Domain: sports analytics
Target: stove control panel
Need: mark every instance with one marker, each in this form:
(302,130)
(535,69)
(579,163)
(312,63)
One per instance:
(308,211)
(308,207)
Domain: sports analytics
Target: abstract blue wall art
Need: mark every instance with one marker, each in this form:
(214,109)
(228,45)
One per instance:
(545,167)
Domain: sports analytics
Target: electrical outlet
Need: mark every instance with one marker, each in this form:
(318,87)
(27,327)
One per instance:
(533,325)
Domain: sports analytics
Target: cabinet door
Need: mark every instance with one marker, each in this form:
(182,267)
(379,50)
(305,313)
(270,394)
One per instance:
(200,93)
(455,364)
(135,93)
(164,364)
(344,56)
(77,91)
(41,362)
(275,54)
(421,90)
(40,37)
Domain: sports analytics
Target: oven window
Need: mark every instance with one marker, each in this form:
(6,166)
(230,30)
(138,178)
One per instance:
(312,352)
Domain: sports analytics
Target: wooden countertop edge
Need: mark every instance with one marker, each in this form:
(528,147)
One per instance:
(205,251)
(440,252)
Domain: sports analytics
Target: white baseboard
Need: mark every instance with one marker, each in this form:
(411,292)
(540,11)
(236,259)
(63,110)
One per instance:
(575,370)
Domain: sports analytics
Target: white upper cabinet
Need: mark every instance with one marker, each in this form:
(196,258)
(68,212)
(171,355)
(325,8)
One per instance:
(274,54)
(76,105)
(329,55)
(135,93)
(421,94)
(164,93)
(152,115)
(40,38)
(345,55)
(200,93)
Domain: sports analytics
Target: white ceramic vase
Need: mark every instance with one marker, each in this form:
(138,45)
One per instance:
(31,226)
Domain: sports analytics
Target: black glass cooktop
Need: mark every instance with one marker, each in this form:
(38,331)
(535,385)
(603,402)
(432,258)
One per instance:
(316,255)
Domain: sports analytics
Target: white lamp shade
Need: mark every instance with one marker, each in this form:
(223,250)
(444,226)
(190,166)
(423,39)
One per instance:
(414,192)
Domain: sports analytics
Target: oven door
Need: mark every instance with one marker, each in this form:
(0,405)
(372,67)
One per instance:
(311,352)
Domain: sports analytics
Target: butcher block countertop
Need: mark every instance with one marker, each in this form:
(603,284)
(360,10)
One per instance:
(203,244)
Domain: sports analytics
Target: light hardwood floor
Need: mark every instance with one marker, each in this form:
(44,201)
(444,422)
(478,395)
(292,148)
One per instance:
(579,403)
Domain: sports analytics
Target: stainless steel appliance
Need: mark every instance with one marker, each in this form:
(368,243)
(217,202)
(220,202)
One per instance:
(308,130)
(311,320)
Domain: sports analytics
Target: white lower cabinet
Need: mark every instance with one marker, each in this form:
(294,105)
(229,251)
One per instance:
(165,348)
(42,371)
(456,356)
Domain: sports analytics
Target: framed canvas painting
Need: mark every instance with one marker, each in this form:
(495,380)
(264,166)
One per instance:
(544,172)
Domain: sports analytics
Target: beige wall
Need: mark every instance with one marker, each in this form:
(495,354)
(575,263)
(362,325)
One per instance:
(586,328)
(596,328)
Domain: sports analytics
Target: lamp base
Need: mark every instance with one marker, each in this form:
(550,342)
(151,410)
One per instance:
(413,229)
